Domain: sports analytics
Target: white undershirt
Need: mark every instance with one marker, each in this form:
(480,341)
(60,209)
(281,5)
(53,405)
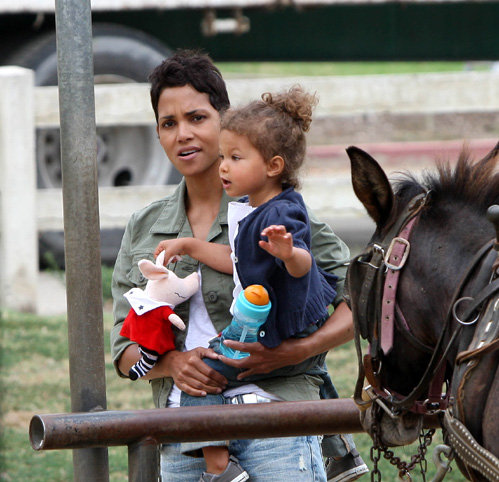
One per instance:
(200,331)
(235,213)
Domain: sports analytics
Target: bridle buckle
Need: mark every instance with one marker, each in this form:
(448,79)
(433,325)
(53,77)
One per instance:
(405,254)
(376,248)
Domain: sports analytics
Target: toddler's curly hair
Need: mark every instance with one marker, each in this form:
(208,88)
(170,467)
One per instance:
(276,126)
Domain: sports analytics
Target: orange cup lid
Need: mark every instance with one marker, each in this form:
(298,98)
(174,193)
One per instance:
(257,295)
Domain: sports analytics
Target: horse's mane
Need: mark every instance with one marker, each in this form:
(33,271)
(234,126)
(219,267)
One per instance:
(474,183)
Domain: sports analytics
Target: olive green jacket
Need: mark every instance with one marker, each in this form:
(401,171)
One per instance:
(167,219)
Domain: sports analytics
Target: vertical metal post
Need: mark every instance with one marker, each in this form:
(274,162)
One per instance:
(81,224)
(143,461)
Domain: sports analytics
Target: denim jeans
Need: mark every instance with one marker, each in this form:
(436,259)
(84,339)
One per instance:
(193,449)
(266,460)
(333,445)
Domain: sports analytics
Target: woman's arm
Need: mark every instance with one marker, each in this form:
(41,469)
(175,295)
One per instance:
(187,369)
(337,330)
(332,255)
(214,255)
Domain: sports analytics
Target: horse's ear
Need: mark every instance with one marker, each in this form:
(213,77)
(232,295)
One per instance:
(371,185)
(493,154)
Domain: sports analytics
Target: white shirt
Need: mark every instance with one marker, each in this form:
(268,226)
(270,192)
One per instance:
(200,331)
(235,213)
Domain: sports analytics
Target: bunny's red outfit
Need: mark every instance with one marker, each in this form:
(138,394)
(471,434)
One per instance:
(152,330)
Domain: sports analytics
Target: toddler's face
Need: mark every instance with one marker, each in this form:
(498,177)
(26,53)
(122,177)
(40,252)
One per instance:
(243,169)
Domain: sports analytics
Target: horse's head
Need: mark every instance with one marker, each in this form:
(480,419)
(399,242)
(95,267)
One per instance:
(401,286)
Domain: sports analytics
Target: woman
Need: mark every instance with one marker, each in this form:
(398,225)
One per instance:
(188,95)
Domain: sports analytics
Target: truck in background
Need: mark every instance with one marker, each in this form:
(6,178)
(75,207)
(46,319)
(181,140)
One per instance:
(133,36)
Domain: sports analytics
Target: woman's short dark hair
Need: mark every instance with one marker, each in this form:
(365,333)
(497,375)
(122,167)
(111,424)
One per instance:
(188,67)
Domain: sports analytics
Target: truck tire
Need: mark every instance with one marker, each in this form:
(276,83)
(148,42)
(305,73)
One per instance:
(125,155)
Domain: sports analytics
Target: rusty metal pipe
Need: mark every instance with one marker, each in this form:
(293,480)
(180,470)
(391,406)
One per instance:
(187,424)
(110,428)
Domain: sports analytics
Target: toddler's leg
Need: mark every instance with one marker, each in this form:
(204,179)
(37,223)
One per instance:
(194,449)
(216,458)
(220,466)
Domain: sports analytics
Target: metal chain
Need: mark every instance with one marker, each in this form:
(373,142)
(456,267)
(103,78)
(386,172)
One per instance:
(404,468)
(375,449)
(423,464)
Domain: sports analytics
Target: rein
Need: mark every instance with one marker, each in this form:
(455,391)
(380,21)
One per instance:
(382,274)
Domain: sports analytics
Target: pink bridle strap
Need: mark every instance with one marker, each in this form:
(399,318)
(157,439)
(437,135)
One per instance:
(395,259)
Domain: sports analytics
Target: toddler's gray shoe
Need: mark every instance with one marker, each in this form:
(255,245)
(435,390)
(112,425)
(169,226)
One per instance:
(348,468)
(233,473)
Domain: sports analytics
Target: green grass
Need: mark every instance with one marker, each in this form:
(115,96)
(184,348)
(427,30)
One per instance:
(342,365)
(285,69)
(34,380)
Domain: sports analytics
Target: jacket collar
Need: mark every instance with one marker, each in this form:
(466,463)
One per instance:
(173,216)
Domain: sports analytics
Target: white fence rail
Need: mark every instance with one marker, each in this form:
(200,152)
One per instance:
(24,210)
(18,226)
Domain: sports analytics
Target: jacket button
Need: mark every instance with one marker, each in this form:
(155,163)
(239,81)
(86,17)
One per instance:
(262,334)
(212,296)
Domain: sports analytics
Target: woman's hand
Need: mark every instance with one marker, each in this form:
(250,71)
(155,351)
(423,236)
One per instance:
(263,359)
(190,373)
(337,330)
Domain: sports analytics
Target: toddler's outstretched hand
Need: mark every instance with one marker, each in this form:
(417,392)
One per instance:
(280,242)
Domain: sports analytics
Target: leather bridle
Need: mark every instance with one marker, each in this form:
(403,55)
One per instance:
(375,312)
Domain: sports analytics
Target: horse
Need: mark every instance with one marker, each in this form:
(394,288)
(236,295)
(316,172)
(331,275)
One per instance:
(424,294)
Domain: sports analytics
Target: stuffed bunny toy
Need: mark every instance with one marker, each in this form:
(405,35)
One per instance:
(149,322)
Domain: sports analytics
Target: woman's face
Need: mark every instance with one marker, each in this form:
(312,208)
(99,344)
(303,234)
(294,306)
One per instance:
(188,130)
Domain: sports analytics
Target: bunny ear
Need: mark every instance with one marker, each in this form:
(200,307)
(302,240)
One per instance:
(160,260)
(153,271)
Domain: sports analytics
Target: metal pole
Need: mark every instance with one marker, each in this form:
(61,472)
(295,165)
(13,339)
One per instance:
(188,424)
(81,223)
